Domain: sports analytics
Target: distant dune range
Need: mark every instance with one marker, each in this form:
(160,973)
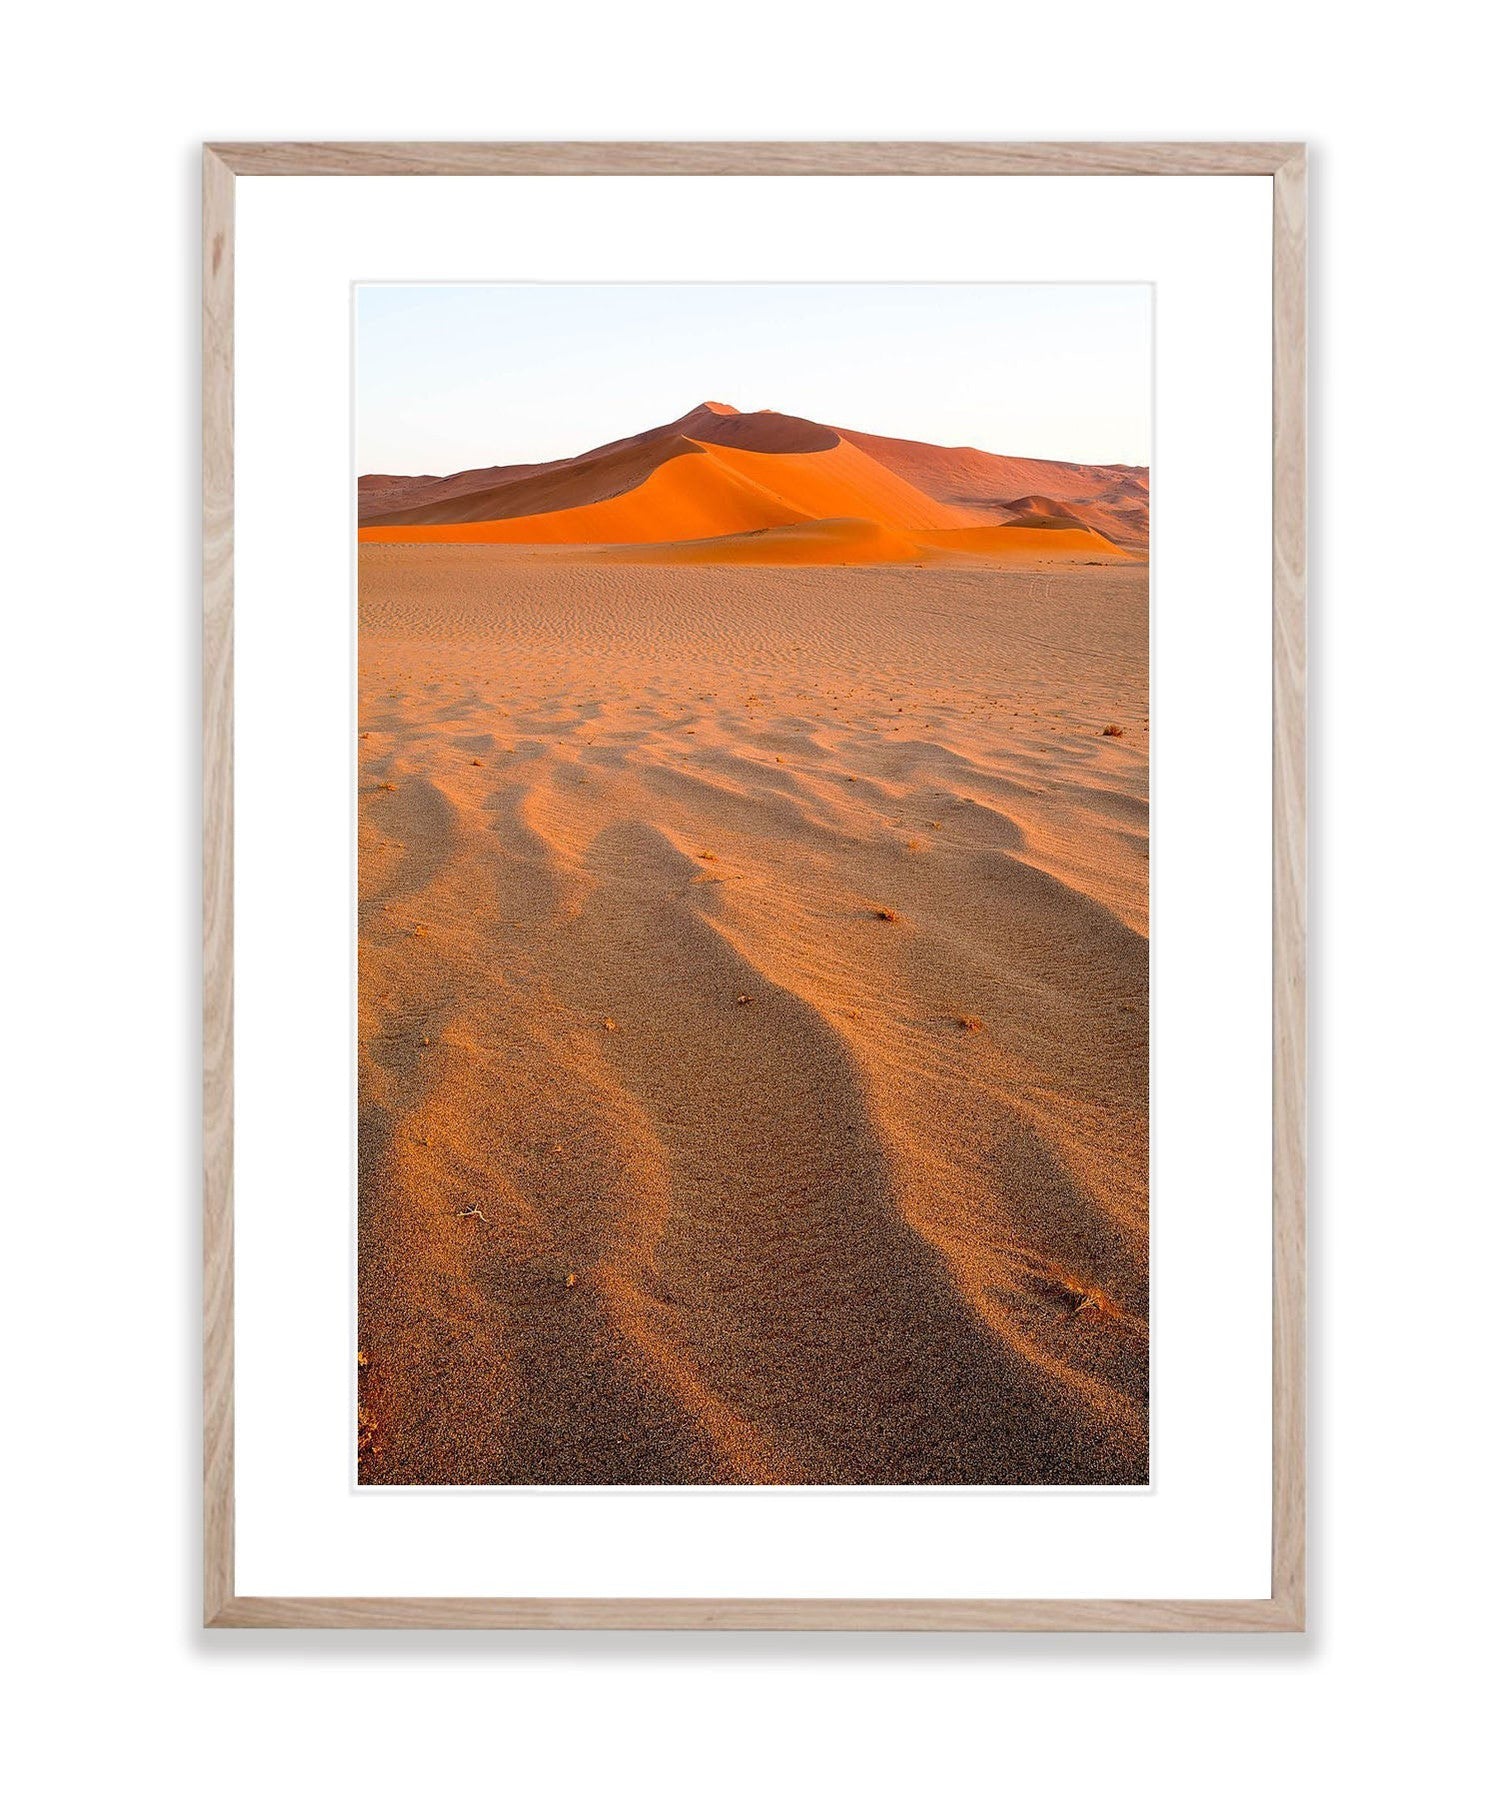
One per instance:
(720,485)
(754,966)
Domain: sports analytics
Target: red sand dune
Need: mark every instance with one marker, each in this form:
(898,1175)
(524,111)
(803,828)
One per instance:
(1112,497)
(721,485)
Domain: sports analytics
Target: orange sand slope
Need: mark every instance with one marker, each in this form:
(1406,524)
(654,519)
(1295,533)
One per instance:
(696,489)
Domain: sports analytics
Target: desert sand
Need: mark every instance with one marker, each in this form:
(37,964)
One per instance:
(716,473)
(753,1009)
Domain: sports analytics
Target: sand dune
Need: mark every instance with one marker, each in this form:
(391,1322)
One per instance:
(1036,507)
(386,496)
(519,493)
(695,494)
(753,993)
(1110,497)
(718,473)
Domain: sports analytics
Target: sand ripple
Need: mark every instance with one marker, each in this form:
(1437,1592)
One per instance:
(679,1162)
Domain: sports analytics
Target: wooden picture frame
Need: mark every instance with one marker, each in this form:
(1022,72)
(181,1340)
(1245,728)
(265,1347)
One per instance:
(1284,1609)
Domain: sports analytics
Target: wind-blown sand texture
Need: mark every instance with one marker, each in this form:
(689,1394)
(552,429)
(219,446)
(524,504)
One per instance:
(753,990)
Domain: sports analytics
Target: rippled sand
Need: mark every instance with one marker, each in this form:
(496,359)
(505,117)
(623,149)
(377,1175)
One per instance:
(681,1160)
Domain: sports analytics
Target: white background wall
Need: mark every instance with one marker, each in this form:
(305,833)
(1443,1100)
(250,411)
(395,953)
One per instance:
(103,110)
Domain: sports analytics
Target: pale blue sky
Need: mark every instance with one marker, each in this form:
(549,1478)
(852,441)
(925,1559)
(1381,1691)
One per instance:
(464,376)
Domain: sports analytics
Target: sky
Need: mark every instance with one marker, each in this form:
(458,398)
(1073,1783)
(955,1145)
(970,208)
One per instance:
(464,376)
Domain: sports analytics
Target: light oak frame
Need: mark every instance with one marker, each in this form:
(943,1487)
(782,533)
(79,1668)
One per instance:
(1285,1609)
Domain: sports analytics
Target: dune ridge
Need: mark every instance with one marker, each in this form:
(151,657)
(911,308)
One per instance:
(716,473)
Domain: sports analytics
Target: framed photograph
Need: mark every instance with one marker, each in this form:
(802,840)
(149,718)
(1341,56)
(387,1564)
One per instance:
(754,813)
